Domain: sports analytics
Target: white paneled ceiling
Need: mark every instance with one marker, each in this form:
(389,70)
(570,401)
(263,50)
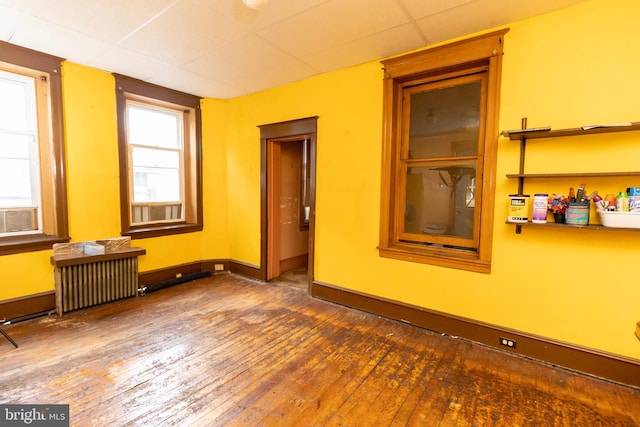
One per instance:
(223,49)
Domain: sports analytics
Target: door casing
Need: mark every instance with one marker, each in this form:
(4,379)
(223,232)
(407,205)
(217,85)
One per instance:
(270,135)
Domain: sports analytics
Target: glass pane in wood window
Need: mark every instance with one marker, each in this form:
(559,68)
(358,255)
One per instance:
(156,175)
(444,121)
(16,97)
(440,200)
(15,183)
(19,171)
(154,128)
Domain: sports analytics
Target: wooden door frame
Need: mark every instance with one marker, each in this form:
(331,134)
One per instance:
(270,134)
(274,147)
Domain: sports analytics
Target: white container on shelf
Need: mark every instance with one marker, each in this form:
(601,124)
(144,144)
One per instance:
(620,219)
(540,208)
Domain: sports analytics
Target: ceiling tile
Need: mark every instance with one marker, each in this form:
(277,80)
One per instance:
(479,15)
(182,33)
(274,12)
(194,83)
(239,58)
(105,20)
(10,21)
(334,23)
(379,45)
(421,8)
(258,79)
(129,63)
(53,39)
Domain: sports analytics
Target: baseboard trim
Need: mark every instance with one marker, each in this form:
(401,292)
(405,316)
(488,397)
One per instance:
(246,270)
(582,359)
(294,262)
(168,273)
(30,304)
(150,277)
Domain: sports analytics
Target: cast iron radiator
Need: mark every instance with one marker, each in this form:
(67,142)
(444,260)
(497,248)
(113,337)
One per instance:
(93,280)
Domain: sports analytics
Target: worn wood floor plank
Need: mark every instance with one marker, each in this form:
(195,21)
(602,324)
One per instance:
(433,402)
(310,382)
(231,351)
(314,393)
(260,373)
(148,355)
(259,332)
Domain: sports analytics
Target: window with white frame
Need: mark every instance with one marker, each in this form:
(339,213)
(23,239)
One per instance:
(156,154)
(33,212)
(159,134)
(19,158)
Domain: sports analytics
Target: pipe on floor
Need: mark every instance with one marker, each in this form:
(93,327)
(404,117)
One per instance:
(21,319)
(27,317)
(186,278)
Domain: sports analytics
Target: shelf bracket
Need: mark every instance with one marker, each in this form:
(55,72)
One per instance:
(523,146)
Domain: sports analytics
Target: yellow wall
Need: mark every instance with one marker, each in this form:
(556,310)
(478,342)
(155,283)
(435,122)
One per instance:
(572,67)
(93,186)
(214,241)
(576,66)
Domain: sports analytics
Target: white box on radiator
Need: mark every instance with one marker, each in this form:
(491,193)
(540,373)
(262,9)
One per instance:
(93,249)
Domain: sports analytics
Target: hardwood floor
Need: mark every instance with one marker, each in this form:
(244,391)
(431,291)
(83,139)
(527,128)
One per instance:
(296,278)
(230,351)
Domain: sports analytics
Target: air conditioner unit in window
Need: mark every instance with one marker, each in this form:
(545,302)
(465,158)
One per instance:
(16,220)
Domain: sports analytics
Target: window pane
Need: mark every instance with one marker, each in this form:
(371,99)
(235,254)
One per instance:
(440,200)
(15,183)
(16,92)
(444,122)
(14,146)
(154,128)
(156,175)
(19,170)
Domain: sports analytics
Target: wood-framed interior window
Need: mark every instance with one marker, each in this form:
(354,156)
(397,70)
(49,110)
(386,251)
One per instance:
(159,139)
(439,154)
(33,203)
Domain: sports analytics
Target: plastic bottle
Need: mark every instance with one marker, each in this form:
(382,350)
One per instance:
(634,199)
(598,201)
(622,202)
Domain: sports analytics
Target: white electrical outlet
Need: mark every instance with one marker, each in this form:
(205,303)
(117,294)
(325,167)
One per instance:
(508,342)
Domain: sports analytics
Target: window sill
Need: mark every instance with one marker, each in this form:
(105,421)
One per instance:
(454,259)
(30,243)
(144,232)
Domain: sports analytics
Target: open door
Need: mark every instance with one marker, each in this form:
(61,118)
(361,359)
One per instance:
(287,205)
(288,152)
